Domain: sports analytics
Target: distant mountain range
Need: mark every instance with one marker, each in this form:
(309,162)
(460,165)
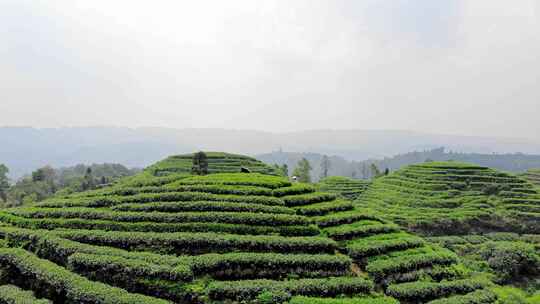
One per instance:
(25,149)
(513,162)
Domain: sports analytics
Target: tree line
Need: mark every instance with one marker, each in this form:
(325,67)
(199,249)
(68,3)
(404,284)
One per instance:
(48,181)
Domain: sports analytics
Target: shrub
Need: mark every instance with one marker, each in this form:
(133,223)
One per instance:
(249,290)
(247,218)
(54,282)
(482,296)
(324,208)
(269,265)
(198,243)
(511,260)
(307,199)
(364,300)
(382,267)
(202,206)
(376,245)
(10,294)
(423,291)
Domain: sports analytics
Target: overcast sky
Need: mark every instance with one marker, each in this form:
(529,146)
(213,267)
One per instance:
(445,66)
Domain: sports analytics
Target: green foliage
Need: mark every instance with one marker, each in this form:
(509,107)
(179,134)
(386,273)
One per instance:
(482,296)
(247,218)
(347,187)
(411,259)
(424,291)
(4,182)
(200,164)
(512,261)
(54,282)
(307,199)
(197,243)
(303,171)
(249,290)
(269,265)
(295,189)
(10,294)
(363,300)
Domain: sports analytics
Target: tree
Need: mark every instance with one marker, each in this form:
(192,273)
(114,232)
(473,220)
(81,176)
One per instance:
(88,181)
(285,170)
(4,182)
(200,164)
(386,171)
(325,166)
(375,172)
(302,171)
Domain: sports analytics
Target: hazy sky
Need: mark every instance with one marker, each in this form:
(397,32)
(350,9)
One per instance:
(449,66)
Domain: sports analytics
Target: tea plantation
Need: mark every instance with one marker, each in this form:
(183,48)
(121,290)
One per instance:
(533,176)
(166,236)
(347,187)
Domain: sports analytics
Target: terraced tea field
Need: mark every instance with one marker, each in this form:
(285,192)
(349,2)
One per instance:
(349,188)
(533,176)
(439,198)
(165,236)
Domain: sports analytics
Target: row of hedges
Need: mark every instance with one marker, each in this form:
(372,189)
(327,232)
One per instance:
(107,201)
(56,283)
(425,291)
(51,224)
(198,243)
(307,199)
(10,294)
(324,208)
(249,290)
(51,247)
(363,300)
(482,296)
(293,190)
(215,189)
(381,244)
(247,218)
(359,229)
(382,267)
(269,265)
(203,206)
(342,218)
(238,179)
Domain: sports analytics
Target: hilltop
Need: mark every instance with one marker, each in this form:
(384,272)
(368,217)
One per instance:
(165,235)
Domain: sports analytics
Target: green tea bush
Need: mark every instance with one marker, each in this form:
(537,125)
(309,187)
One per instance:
(293,190)
(247,218)
(249,290)
(201,206)
(511,260)
(324,208)
(363,300)
(381,244)
(383,267)
(198,243)
(482,296)
(269,265)
(10,294)
(307,199)
(53,282)
(425,291)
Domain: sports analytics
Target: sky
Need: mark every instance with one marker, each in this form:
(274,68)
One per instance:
(467,67)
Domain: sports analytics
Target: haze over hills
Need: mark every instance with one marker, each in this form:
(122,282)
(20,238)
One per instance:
(30,148)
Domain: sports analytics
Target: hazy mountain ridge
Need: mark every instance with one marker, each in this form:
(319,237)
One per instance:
(26,149)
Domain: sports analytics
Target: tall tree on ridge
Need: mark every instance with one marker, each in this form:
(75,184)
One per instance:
(325,166)
(302,171)
(200,164)
(4,182)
